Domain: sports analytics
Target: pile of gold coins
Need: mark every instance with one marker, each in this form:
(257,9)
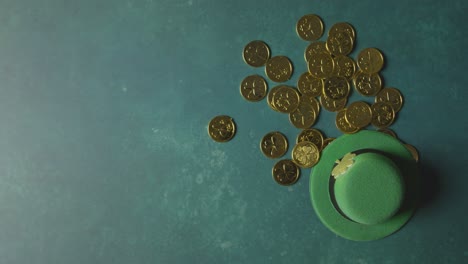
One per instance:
(329,77)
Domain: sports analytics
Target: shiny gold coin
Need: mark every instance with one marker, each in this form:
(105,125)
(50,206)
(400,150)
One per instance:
(359,114)
(326,142)
(414,152)
(321,65)
(383,114)
(391,96)
(274,145)
(309,27)
(312,101)
(305,115)
(343,125)
(336,87)
(340,44)
(308,84)
(367,84)
(388,132)
(286,172)
(315,48)
(311,135)
(253,88)
(279,69)
(286,99)
(344,66)
(343,27)
(256,53)
(333,105)
(270,96)
(370,60)
(305,154)
(222,128)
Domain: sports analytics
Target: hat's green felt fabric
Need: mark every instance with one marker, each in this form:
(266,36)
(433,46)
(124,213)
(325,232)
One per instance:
(371,190)
(363,141)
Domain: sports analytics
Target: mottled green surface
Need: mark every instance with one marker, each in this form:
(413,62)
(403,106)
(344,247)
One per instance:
(104,155)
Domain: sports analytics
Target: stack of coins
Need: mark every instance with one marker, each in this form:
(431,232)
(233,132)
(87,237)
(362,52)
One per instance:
(327,84)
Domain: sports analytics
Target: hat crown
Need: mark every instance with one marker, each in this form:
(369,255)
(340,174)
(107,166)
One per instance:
(370,190)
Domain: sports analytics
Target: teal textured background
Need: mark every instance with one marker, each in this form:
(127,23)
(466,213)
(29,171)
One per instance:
(104,155)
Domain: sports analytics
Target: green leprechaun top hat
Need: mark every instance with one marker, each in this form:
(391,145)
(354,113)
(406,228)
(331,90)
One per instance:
(365,186)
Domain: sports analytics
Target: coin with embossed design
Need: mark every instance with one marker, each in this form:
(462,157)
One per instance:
(340,43)
(305,154)
(336,87)
(253,88)
(270,95)
(391,96)
(359,114)
(367,84)
(315,48)
(286,99)
(312,135)
(274,145)
(344,66)
(310,85)
(370,60)
(286,172)
(309,27)
(333,105)
(222,128)
(343,125)
(383,114)
(279,69)
(342,27)
(256,53)
(321,65)
(305,115)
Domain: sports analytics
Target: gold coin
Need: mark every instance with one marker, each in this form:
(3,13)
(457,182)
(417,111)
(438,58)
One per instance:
(256,53)
(270,97)
(367,84)
(305,154)
(326,142)
(286,172)
(309,27)
(253,88)
(305,115)
(388,132)
(391,96)
(413,151)
(359,114)
(308,84)
(279,69)
(312,101)
(370,60)
(343,27)
(222,128)
(383,114)
(286,99)
(336,87)
(311,135)
(343,125)
(333,105)
(340,43)
(321,65)
(274,145)
(314,48)
(344,66)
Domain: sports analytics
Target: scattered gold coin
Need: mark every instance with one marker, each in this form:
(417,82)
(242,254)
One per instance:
(253,88)
(279,69)
(340,43)
(359,114)
(388,132)
(383,114)
(321,65)
(309,27)
(333,105)
(256,53)
(222,128)
(326,142)
(391,96)
(311,135)
(286,172)
(305,115)
(312,101)
(274,145)
(344,66)
(343,125)
(414,152)
(315,48)
(286,99)
(367,84)
(370,60)
(305,154)
(270,97)
(336,87)
(310,85)
(343,27)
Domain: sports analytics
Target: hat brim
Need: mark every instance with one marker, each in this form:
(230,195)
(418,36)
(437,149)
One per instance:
(372,141)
